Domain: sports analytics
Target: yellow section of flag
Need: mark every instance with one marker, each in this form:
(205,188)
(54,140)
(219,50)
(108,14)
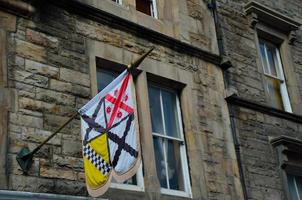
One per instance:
(94,177)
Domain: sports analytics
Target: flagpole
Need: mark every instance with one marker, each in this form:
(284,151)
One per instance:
(25,157)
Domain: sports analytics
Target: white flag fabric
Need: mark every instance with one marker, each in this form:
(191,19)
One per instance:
(110,135)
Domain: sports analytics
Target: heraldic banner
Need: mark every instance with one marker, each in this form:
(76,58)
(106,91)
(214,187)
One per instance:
(110,135)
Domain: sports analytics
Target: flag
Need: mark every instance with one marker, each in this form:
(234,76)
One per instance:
(110,135)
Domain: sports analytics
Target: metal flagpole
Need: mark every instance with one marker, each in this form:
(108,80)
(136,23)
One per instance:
(25,157)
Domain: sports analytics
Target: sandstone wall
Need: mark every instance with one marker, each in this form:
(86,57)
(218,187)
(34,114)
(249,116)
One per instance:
(254,128)
(49,78)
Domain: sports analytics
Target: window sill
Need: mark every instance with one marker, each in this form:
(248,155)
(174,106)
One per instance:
(127,187)
(175,193)
(235,100)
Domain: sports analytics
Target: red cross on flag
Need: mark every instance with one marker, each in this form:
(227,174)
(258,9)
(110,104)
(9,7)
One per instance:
(110,135)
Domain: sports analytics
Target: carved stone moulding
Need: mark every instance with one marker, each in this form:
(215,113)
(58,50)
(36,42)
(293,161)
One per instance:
(258,13)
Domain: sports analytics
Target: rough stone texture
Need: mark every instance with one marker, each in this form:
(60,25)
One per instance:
(260,167)
(50,74)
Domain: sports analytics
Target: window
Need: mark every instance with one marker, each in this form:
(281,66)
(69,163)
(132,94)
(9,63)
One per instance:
(295,187)
(147,6)
(117,1)
(289,155)
(275,84)
(168,140)
(104,77)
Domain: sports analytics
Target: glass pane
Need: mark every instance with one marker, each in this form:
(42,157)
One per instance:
(292,188)
(174,166)
(160,162)
(295,187)
(299,185)
(263,58)
(273,90)
(271,55)
(104,78)
(170,113)
(155,109)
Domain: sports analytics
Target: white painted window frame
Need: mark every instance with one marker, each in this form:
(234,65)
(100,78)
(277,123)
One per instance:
(139,179)
(280,76)
(118,2)
(153,7)
(183,156)
(296,188)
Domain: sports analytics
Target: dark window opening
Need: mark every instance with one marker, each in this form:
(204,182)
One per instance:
(144,6)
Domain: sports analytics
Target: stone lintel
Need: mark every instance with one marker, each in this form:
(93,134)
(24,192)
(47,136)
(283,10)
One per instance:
(259,13)
(234,99)
(286,141)
(289,151)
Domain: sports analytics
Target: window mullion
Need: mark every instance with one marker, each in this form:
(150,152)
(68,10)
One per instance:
(280,68)
(168,137)
(283,88)
(153,8)
(266,58)
(164,140)
(296,187)
(162,111)
(166,162)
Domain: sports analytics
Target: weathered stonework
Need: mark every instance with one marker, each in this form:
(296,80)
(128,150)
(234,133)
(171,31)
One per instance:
(255,127)
(51,72)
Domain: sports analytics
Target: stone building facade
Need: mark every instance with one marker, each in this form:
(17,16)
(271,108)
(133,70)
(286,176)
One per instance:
(238,127)
(266,119)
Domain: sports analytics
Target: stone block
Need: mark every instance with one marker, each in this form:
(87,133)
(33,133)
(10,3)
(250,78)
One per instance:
(41,106)
(70,187)
(74,77)
(30,184)
(41,39)
(39,135)
(72,148)
(22,93)
(29,78)
(68,162)
(75,89)
(30,112)
(25,120)
(42,69)
(55,97)
(57,173)
(30,51)
(81,102)
(23,86)
(16,61)
(52,122)
(80,90)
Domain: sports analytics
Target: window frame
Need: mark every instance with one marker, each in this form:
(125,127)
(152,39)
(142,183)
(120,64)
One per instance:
(285,147)
(170,78)
(118,68)
(182,147)
(279,29)
(279,71)
(153,9)
(295,184)
(120,2)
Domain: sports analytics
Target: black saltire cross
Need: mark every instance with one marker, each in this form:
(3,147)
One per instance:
(122,145)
